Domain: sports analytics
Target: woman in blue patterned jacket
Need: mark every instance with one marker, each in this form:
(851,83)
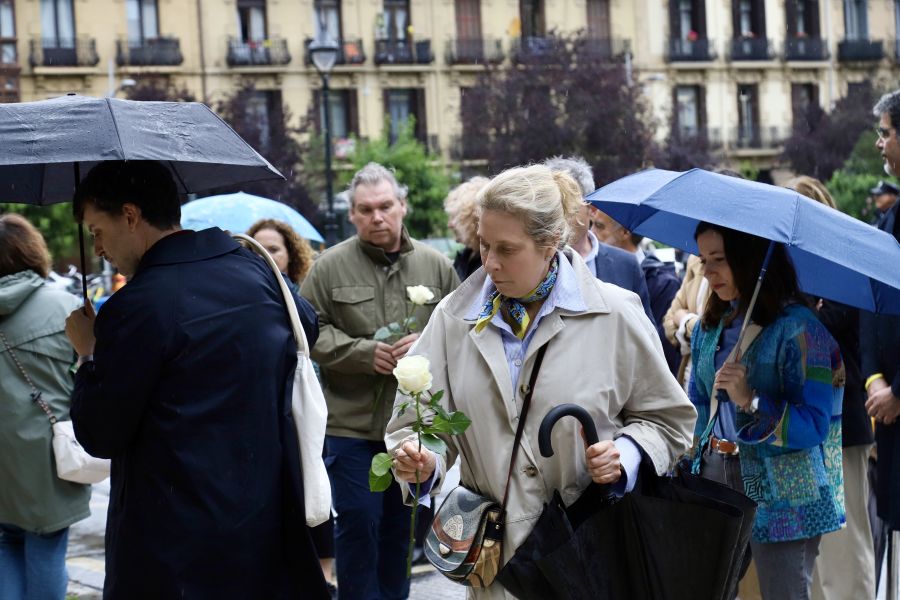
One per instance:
(777,436)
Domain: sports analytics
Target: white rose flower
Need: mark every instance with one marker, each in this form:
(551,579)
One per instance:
(413,375)
(419,294)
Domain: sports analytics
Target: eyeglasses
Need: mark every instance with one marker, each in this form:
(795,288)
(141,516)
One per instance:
(883,133)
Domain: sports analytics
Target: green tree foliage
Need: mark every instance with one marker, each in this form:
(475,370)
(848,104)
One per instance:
(850,185)
(418,169)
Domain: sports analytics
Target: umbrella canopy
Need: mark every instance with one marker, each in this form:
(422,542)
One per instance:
(40,142)
(836,256)
(672,538)
(237,212)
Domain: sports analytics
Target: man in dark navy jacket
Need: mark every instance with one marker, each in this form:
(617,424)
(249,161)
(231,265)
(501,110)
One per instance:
(184,380)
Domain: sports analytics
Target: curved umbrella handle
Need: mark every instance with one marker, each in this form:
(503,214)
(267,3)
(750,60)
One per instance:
(558,412)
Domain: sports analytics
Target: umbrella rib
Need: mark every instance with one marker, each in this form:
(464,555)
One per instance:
(112,116)
(178,175)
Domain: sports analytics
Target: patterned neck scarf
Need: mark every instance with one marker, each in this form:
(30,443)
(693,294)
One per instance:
(518,316)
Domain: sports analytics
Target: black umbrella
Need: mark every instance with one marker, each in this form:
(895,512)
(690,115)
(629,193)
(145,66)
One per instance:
(672,538)
(47,146)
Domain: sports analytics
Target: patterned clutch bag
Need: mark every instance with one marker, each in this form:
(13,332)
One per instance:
(466,537)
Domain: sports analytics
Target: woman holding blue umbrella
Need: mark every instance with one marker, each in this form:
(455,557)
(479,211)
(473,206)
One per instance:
(777,434)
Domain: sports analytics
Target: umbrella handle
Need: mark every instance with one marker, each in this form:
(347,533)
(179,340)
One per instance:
(558,412)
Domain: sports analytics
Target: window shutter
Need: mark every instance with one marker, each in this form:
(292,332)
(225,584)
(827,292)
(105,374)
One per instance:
(352,112)
(698,17)
(418,108)
(674,22)
(812,11)
(701,109)
(736,18)
(790,11)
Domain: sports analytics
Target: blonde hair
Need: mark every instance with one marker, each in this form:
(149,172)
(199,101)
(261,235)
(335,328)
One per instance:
(545,200)
(812,188)
(461,204)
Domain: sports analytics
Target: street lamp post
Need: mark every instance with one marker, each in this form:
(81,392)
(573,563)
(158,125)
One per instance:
(324,53)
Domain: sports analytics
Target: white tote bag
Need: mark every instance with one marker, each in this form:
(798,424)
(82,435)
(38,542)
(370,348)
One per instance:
(73,463)
(307,406)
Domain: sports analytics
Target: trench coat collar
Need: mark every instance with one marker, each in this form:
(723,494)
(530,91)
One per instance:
(188,246)
(377,254)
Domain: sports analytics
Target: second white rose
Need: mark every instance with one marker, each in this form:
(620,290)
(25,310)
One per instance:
(419,294)
(413,374)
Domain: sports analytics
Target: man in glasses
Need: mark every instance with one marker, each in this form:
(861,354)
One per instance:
(879,342)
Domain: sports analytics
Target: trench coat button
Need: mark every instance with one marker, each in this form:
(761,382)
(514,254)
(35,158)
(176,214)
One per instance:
(523,388)
(530,470)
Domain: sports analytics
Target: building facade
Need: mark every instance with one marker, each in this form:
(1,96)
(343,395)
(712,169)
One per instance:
(736,71)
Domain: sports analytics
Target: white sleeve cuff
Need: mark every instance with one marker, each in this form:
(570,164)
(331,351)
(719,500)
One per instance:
(630,457)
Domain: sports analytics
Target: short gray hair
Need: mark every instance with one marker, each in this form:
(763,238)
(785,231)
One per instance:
(890,104)
(373,174)
(577,168)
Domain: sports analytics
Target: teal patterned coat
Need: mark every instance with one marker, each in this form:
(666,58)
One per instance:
(790,449)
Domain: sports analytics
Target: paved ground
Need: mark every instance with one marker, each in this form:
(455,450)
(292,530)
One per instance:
(86,565)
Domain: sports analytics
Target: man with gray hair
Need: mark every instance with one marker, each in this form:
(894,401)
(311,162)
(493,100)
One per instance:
(879,342)
(358,287)
(608,263)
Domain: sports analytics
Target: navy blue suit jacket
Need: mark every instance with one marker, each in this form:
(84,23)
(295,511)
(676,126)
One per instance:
(621,268)
(189,394)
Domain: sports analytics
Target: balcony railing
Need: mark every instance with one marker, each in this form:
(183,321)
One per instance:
(746,48)
(164,51)
(80,52)
(474,51)
(535,49)
(757,137)
(403,52)
(860,50)
(350,52)
(711,137)
(691,50)
(602,49)
(244,53)
(800,48)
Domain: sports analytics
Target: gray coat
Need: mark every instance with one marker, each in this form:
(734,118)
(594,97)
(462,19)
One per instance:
(32,317)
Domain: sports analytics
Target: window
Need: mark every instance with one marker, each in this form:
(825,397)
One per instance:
(57,24)
(689,112)
(396,19)
(802,18)
(251,20)
(344,119)
(531,14)
(7,34)
(687,20)
(403,104)
(856,25)
(748,115)
(327,19)
(468,19)
(263,114)
(804,96)
(749,19)
(142,19)
(598,19)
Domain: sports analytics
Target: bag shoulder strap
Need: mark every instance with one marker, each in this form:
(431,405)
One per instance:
(35,393)
(526,403)
(290,305)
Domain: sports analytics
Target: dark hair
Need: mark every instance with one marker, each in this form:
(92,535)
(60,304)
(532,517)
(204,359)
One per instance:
(744,254)
(890,104)
(144,183)
(300,253)
(22,247)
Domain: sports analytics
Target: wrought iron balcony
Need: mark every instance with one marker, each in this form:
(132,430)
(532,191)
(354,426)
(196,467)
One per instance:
(80,52)
(403,52)
(245,53)
(691,50)
(350,52)
(860,50)
(602,49)
(164,51)
(474,51)
(757,137)
(535,50)
(804,48)
(711,137)
(751,48)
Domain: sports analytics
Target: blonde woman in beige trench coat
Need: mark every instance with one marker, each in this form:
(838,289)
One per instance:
(603,354)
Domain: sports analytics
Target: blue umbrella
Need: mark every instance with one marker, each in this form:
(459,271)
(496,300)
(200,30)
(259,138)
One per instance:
(237,212)
(836,256)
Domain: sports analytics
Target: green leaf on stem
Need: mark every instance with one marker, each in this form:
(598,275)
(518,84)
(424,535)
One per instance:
(402,408)
(395,328)
(379,483)
(382,334)
(458,422)
(436,398)
(433,443)
(381,463)
(412,324)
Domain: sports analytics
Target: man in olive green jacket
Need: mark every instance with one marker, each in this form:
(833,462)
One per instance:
(356,288)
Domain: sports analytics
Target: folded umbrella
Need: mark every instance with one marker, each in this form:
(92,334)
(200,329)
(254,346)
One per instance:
(238,212)
(836,256)
(672,538)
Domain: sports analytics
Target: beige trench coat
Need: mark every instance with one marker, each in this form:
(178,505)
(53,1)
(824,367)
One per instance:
(607,359)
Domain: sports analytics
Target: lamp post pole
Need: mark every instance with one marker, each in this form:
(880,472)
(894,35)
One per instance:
(330,217)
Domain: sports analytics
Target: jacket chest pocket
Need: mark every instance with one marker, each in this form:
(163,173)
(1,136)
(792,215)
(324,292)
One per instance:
(355,309)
